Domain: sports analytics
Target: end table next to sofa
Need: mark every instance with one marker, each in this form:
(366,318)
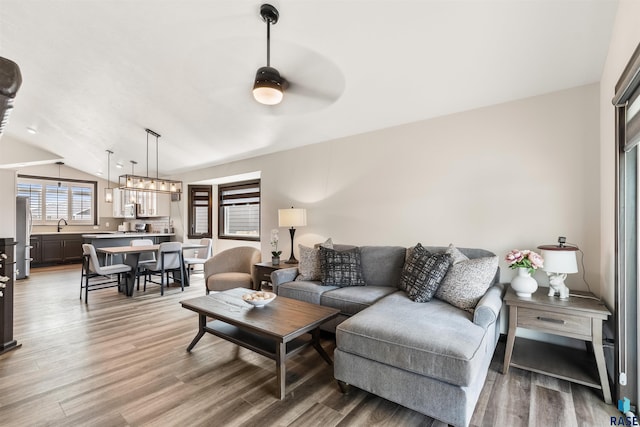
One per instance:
(575,317)
(264,269)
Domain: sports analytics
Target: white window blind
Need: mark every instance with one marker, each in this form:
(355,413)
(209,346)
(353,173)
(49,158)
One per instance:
(240,210)
(53,199)
(34,192)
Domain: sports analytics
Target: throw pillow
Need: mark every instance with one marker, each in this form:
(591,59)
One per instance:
(422,273)
(341,268)
(456,255)
(467,281)
(309,265)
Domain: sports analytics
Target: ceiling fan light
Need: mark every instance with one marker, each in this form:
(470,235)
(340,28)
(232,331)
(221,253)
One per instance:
(267,88)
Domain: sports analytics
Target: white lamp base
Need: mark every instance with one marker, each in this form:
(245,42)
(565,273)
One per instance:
(557,286)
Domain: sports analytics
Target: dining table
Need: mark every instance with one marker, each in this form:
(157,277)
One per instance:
(132,257)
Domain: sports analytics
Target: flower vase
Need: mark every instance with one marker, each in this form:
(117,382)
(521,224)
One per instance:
(523,284)
(275,260)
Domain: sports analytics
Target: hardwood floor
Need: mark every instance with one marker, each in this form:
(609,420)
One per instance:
(121,361)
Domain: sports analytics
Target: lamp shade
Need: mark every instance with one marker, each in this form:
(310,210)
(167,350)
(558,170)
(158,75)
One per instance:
(293,217)
(559,259)
(267,88)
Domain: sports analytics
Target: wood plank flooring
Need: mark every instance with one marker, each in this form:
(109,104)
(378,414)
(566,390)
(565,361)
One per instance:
(121,361)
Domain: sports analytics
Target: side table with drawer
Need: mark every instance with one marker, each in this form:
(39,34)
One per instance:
(575,317)
(264,269)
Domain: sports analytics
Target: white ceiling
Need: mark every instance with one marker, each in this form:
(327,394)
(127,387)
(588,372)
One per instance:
(96,73)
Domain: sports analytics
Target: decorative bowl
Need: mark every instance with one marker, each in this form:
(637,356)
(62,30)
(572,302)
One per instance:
(259,298)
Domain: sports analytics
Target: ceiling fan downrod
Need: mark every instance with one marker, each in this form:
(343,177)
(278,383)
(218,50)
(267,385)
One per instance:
(268,84)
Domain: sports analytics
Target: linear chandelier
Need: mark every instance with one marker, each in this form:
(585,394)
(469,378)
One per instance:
(147,183)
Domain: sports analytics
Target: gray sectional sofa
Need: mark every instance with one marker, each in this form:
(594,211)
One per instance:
(431,357)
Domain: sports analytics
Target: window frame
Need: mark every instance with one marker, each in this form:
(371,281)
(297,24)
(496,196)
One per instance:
(238,186)
(46,180)
(193,198)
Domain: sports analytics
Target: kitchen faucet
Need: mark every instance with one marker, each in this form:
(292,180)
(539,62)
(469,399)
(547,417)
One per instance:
(59,226)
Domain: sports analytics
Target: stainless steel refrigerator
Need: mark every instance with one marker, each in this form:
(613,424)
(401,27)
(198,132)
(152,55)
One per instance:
(23,237)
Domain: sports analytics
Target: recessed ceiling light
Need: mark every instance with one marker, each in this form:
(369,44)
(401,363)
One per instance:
(32,130)
(99,173)
(119,165)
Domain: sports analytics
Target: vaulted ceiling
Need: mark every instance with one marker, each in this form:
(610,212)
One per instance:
(96,73)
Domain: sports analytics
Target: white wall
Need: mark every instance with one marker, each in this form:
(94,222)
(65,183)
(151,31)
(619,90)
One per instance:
(8,205)
(515,175)
(624,39)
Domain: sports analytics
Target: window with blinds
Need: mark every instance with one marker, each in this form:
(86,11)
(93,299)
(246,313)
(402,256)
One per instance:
(239,210)
(627,255)
(51,199)
(200,205)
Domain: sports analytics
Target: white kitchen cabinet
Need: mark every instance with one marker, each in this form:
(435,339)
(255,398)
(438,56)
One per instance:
(149,204)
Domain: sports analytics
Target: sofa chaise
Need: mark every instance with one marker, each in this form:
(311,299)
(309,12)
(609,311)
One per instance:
(432,357)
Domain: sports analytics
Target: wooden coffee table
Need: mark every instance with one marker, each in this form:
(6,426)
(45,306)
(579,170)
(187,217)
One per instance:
(274,331)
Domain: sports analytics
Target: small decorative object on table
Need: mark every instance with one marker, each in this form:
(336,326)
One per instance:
(526,262)
(275,253)
(259,299)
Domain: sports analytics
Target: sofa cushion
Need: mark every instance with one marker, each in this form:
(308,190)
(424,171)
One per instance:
(422,273)
(341,268)
(433,339)
(304,291)
(309,265)
(467,281)
(226,281)
(382,265)
(353,299)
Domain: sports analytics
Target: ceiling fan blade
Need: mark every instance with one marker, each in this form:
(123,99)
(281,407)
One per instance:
(324,93)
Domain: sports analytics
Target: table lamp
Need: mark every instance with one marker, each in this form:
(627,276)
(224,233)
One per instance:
(559,261)
(292,218)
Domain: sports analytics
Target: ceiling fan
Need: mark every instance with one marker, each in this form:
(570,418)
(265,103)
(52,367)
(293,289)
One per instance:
(269,85)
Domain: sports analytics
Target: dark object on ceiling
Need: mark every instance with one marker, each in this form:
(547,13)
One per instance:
(268,87)
(10,81)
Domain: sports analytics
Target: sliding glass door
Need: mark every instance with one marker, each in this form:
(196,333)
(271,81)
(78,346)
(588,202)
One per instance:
(627,103)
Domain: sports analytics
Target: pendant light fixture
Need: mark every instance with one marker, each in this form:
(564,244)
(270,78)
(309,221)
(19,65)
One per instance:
(108,192)
(129,182)
(58,189)
(147,183)
(268,87)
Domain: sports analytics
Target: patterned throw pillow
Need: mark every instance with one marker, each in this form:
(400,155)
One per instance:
(341,268)
(422,273)
(467,281)
(456,255)
(309,265)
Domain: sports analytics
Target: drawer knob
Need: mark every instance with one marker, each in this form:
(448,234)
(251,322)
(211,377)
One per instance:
(548,319)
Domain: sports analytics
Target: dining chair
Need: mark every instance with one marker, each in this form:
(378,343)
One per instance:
(91,269)
(168,260)
(200,256)
(233,268)
(145,259)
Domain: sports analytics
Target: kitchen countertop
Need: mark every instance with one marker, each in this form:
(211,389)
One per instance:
(121,235)
(51,233)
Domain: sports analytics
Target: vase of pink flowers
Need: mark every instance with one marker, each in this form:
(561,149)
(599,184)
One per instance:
(525,262)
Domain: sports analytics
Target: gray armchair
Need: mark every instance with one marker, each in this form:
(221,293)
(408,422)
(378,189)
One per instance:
(233,268)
